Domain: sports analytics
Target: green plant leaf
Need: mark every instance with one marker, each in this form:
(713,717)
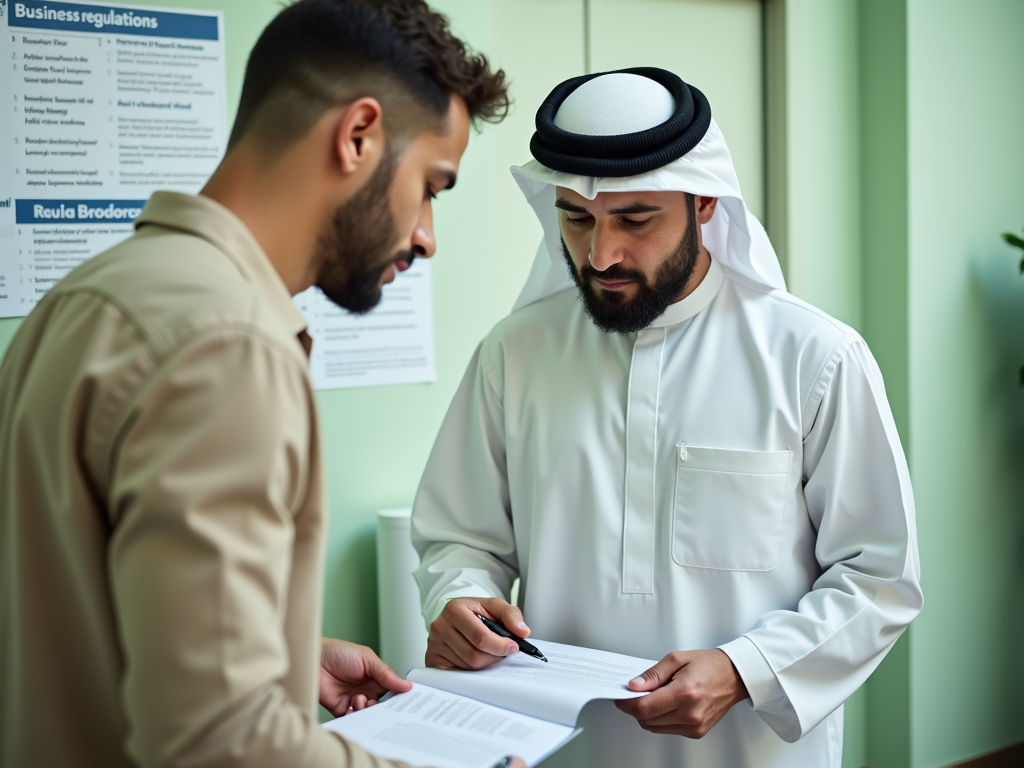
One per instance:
(1013,240)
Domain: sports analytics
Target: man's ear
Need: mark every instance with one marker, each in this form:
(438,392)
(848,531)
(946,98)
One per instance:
(359,141)
(706,208)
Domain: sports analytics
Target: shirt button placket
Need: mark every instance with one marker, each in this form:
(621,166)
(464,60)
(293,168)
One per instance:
(638,530)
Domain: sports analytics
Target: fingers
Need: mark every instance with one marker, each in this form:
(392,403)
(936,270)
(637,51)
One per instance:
(678,718)
(458,637)
(384,675)
(506,614)
(463,618)
(661,673)
(339,709)
(693,698)
(475,653)
(662,701)
(346,706)
(459,640)
(674,700)
(440,654)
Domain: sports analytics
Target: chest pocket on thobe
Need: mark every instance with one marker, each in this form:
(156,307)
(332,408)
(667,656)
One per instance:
(729,508)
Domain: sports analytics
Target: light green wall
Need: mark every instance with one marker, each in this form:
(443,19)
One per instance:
(883,162)
(517,231)
(927,100)
(965,74)
(823,155)
(883,151)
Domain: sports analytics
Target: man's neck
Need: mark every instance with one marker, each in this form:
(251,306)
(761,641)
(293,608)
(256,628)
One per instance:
(700,271)
(282,213)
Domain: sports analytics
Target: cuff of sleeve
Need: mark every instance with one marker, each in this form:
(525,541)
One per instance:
(757,674)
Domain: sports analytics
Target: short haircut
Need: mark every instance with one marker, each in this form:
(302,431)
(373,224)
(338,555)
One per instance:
(320,54)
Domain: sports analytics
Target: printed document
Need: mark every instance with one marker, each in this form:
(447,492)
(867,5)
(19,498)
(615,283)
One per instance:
(520,706)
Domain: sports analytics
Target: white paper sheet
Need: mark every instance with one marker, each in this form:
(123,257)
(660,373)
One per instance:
(103,105)
(430,727)
(392,344)
(557,690)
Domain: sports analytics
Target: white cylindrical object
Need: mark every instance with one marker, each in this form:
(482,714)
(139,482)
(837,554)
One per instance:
(403,636)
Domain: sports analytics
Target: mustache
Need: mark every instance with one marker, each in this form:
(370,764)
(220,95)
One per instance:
(613,273)
(406,256)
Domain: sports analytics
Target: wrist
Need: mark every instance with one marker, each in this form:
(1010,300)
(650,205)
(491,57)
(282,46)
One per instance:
(738,689)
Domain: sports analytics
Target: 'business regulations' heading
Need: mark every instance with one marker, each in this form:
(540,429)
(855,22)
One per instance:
(103,18)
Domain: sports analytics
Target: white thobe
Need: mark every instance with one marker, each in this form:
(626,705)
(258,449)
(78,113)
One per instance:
(729,477)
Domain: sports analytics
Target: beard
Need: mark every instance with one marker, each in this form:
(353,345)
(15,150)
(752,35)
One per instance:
(611,311)
(354,249)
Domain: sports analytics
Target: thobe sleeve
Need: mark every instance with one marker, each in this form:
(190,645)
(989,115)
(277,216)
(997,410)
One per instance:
(461,519)
(800,665)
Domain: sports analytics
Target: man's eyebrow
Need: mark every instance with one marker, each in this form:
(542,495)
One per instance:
(636,208)
(565,205)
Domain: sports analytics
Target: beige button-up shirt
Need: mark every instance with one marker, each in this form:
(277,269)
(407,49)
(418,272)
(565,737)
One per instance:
(162,511)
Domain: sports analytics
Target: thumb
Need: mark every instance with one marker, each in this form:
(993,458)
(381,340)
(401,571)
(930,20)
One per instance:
(507,614)
(386,676)
(660,674)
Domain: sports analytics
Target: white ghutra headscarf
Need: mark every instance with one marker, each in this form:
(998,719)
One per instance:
(620,105)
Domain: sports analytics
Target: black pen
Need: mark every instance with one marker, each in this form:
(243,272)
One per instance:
(526,647)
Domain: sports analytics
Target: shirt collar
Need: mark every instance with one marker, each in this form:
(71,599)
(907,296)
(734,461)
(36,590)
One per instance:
(700,297)
(208,219)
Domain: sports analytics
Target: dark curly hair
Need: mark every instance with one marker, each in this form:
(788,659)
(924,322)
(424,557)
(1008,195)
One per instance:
(318,54)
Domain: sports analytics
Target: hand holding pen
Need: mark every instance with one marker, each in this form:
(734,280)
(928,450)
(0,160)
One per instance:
(459,640)
(524,645)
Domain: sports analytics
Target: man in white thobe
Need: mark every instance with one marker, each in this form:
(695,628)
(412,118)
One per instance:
(678,459)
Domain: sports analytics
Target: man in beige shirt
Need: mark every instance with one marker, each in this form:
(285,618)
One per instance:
(162,505)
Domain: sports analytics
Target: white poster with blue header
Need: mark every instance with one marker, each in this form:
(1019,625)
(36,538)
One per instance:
(100,106)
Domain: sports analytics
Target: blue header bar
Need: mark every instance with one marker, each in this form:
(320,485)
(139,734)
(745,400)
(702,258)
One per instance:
(117,20)
(77,211)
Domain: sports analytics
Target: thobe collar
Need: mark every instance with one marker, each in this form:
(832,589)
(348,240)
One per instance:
(701,296)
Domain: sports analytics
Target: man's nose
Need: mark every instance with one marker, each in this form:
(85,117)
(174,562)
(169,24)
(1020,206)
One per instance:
(605,249)
(423,243)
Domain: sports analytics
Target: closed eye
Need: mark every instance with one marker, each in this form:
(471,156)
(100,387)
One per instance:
(636,224)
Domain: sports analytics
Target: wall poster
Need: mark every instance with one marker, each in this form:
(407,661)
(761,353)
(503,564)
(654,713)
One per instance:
(102,105)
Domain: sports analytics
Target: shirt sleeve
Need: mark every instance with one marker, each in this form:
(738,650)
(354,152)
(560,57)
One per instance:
(210,468)
(461,518)
(801,665)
